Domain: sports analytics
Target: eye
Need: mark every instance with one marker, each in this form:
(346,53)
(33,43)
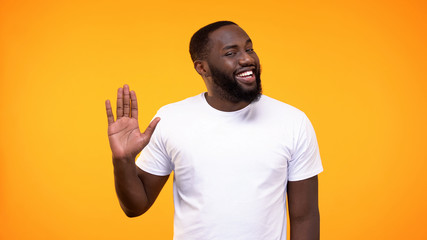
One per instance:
(229,54)
(250,50)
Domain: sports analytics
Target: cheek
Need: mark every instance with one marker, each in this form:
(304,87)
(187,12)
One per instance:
(229,66)
(224,65)
(256,58)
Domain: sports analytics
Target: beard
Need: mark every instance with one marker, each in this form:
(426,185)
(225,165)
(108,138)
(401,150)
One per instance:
(229,89)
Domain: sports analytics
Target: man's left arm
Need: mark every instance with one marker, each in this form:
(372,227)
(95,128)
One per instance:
(304,209)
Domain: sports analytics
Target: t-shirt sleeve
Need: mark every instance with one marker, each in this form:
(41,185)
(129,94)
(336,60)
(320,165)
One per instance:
(154,158)
(305,161)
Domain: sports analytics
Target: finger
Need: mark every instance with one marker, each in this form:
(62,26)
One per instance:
(134,105)
(110,116)
(150,129)
(119,111)
(126,101)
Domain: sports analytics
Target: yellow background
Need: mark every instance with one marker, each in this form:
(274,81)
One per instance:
(357,68)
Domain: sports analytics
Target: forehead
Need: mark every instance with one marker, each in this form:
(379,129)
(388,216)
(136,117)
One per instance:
(228,35)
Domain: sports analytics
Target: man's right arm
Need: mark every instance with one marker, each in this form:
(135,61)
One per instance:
(135,188)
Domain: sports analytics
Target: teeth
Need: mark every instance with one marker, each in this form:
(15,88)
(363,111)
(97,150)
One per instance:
(244,74)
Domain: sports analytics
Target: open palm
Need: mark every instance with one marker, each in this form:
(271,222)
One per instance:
(126,140)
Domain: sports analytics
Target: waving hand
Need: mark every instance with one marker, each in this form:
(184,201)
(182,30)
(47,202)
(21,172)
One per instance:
(126,140)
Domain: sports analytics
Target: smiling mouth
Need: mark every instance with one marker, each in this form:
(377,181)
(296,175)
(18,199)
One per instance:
(247,77)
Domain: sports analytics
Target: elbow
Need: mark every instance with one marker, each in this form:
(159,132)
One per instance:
(131,213)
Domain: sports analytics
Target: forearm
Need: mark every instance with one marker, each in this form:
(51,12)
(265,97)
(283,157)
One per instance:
(305,227)
(129,188)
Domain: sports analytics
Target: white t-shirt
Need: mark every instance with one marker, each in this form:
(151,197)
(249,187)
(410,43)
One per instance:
(231,168)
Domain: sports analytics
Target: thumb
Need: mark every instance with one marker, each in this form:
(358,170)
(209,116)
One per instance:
(150,129)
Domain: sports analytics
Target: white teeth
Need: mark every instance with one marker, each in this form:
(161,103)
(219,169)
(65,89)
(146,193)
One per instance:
(244,74)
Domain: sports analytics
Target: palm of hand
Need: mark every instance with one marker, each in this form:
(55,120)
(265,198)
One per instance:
(126,140)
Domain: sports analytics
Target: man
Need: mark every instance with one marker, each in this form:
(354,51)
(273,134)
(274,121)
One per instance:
(235,152)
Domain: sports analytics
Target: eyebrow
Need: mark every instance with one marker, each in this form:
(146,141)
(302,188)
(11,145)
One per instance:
(235,45)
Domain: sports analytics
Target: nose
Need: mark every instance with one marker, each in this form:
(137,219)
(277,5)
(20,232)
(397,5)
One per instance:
(246,59)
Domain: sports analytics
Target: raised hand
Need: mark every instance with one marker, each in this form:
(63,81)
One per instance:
(126,140)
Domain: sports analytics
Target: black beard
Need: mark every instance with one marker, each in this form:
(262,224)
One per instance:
(230,90)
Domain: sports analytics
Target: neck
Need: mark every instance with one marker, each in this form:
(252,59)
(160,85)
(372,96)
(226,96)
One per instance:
(223,104)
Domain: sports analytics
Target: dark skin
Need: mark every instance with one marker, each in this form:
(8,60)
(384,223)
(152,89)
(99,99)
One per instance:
(136,189)
(304,209)
(231,51)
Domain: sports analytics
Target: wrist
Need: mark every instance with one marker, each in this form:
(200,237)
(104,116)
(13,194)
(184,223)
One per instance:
(123,167)
(124,160)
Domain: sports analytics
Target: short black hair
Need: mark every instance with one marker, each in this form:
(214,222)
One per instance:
(199,41)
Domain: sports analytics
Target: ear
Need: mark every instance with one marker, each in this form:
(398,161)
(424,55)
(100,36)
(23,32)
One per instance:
(202,68)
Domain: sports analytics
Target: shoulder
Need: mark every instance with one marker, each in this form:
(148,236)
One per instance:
(269,105)
(180,107)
